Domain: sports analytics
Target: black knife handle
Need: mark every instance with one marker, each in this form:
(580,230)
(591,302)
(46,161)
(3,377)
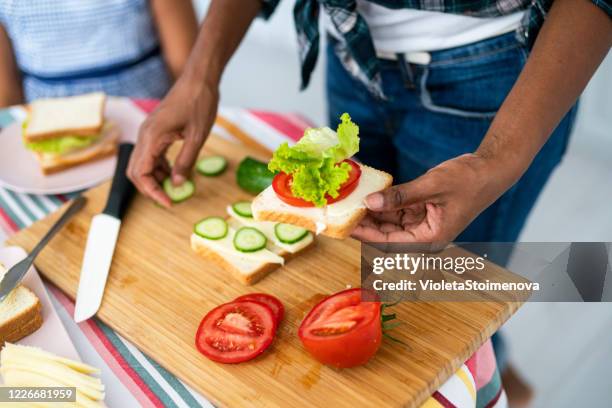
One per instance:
(122,189)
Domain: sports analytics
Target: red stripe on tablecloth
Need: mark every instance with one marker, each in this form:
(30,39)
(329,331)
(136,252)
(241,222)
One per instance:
(280,123)
(442,400)
(299,120)
(496,398)
(132,381)
(146,105)
(7,223)
(62,198)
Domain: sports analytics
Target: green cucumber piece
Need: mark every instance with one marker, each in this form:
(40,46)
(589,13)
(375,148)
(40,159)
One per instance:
(211,228)
(179,193)
(249,239)
(289,234)
(211,166)
(243,208)
(253,175)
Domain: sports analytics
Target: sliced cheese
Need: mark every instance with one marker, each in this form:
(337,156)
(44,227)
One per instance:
(30,366)
(267,228)
(11,349)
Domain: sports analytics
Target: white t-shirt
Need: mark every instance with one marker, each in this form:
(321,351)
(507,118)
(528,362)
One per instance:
(409,30)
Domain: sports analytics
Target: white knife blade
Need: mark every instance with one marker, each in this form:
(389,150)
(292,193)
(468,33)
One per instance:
(99,251)
(101,240)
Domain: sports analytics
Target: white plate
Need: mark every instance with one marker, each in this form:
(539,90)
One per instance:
(19,170)
(52,335)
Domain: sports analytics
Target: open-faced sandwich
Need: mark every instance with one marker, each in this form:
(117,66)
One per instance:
(247,248)
(65,132)
(318,187)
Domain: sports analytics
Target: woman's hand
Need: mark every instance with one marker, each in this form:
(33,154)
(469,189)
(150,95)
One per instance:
(435,207)
(187,113)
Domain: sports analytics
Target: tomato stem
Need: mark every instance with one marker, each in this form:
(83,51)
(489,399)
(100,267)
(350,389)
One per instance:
(385,321)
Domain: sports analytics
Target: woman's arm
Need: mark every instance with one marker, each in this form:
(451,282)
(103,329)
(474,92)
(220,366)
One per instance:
(189,110)
(572,43)
(437,206)
(177,27)
(10,80)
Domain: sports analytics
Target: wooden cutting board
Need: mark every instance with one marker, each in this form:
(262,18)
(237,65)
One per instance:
(158,290)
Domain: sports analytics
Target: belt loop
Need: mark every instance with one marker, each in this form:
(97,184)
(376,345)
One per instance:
(406,70)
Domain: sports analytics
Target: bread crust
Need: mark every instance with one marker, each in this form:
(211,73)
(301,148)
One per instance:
(338,231)
(26,322)
(99,151)
(249,279)
(83,132)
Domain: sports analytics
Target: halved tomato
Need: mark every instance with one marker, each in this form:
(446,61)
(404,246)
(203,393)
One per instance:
(343,330)
(273,303)
(282,187)
(235,332)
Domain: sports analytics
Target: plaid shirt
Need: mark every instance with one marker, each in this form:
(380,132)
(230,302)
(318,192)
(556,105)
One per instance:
(356,50)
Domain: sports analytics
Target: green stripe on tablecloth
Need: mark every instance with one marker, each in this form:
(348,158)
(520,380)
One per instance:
(136,366)
(9,211)
(487,393)
(6,118)
(175,384)
(39,203)
(22,205)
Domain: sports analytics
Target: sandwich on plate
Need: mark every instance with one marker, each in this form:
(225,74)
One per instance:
(65,132)
(247,248)
(20,313)
(318,187)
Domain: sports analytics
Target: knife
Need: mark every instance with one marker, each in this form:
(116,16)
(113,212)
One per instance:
(18,271)
(101,240)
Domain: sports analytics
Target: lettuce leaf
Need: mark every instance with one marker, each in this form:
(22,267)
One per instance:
(313,160)
(60,145)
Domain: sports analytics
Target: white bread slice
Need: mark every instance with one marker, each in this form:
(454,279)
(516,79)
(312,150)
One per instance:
(81,115)
(104,147)
(20,313)
(247,271)
(336,220)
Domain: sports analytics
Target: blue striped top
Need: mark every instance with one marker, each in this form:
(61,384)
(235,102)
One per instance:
(66,47)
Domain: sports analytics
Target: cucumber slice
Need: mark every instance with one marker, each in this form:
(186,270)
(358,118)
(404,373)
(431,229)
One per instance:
(211,228)
(211,166)
(253,175)
(289,234)
(179,193)
(249,239)
(243,208)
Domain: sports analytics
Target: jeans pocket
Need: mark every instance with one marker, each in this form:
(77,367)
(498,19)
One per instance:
(472,88)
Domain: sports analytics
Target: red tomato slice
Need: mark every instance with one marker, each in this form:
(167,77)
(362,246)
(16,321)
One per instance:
(342,330)
(282,187)
(273,303)
(235,332)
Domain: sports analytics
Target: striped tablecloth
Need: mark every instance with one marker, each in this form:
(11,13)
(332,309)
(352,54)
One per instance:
(134,379)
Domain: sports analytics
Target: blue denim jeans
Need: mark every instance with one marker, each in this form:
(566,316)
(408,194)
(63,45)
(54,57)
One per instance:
(439,111)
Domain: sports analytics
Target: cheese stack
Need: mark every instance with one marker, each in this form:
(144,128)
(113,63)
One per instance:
(23,366)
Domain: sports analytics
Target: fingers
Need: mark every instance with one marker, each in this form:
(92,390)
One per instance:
(403,195)
(195,133)
(146,167)
(150,187)
(370,234)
